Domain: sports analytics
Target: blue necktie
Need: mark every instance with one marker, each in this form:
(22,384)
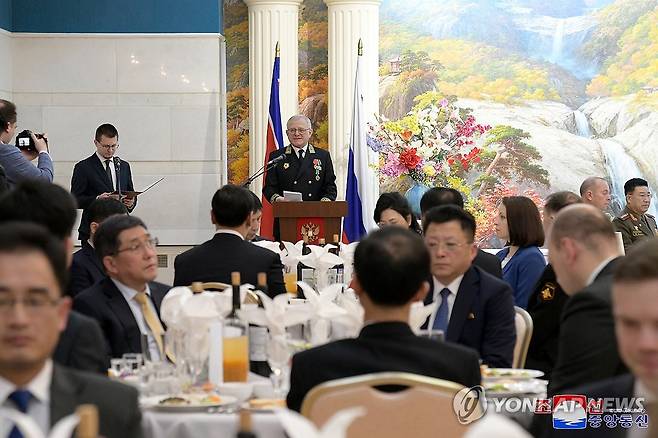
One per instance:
(441,319)
(21,398)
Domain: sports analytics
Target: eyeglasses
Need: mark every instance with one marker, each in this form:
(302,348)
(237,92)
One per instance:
(32,305)
(140,246)
(297,130)
(447,246)
(109,146)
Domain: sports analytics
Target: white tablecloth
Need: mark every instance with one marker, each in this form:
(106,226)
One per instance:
(197,425)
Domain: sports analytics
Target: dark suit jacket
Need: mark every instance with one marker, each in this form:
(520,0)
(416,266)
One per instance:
(90,180)
(118,410)
(617,387)
(545,307)
(488,263)
(587,349)
(482,317)
(522,272)
(380,347)
(314,177)
(215,259)
(82,346)
(86,269)
(105,303)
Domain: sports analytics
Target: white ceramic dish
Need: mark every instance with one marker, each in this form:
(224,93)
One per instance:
(196,403)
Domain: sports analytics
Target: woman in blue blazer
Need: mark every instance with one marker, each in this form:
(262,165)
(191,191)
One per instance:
(519,224)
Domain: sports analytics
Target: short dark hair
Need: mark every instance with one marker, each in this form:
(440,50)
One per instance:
(102,208)
(523,222)
(106,239)
(40,202)
(231,205)
(395,201)
(558,200)
(583,223)
(24,237)
(438,196)
(7,114)
(106,130)
(630,185)
(449,213)
(640,264)
(258,205)
(391,265)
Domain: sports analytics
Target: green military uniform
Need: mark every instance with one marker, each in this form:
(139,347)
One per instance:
(634,227)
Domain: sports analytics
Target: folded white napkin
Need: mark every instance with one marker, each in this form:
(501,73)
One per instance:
(321,260)
(30,429)
(350,324)
(276,314)
(347,254)
(418,314)
(272,246)
(293,252)
(297,426)
(323,310)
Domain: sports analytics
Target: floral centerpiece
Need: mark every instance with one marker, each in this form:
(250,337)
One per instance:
(429,144)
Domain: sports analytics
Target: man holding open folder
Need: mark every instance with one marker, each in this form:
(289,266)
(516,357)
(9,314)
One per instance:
(102,175)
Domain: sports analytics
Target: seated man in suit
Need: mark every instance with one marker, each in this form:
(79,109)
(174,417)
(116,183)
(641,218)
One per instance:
(256,216)
(583,252)
(635,311)
(33,314)
(391,267)
(438,196)
(126,303)
(86,268)
(100,175)
(228,251)
(472,307)
(81,345)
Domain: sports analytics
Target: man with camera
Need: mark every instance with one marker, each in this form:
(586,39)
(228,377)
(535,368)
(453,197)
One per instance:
(16,159)
(102,175)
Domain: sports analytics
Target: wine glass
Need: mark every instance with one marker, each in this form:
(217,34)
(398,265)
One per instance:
(278,357)
(196,353)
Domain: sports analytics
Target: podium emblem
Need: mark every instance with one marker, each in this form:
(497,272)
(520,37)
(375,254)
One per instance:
(311,231)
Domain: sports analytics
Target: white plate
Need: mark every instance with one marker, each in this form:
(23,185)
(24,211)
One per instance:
(195,404)
(509,388)
(493,374)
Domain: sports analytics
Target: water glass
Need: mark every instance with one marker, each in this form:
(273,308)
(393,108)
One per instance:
(278,357)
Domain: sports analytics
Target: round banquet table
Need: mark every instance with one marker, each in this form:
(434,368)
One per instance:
(199,424)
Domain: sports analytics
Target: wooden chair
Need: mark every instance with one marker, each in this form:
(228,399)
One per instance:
(423,409)
(524,327)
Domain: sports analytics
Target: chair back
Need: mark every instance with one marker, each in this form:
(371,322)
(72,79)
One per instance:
(524,326)
(423,409)
(250,298)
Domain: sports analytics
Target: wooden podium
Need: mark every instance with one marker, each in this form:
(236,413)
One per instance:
(313,219)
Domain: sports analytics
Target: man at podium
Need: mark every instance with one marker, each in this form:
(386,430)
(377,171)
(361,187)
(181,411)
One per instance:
(101,175)
(305,169)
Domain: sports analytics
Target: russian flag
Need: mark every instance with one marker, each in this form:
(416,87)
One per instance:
(274,142)
(362,184)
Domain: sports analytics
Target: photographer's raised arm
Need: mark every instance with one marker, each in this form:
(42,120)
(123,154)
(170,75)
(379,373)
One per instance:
(19,168)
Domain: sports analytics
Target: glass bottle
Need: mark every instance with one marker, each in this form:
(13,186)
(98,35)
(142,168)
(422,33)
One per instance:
(236,342)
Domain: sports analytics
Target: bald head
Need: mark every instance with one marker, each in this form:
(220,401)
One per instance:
(596,191)
(299,118)
(580,241)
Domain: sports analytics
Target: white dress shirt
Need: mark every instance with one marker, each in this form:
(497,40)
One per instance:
(438,287)
(39,406)
(112,169)
(296,150)
(129,295)
(598,270)
(226,231)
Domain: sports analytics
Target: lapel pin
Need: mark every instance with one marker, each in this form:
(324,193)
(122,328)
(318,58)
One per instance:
(471,316)
(286,165)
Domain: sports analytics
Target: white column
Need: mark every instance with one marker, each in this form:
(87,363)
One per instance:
(270,21)
(350,20)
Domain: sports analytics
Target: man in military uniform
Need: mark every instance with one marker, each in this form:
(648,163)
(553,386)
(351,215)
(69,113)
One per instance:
(634,223)
(305,169)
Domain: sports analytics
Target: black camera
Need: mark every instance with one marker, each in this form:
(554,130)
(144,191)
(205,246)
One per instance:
(25,142)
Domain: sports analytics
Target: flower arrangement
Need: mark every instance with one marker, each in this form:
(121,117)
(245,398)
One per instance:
(429,144)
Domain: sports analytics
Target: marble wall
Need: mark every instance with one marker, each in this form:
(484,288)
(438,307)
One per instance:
(165,94)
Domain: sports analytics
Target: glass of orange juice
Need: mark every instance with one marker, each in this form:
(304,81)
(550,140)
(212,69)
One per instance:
(235,355)
(290,280)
